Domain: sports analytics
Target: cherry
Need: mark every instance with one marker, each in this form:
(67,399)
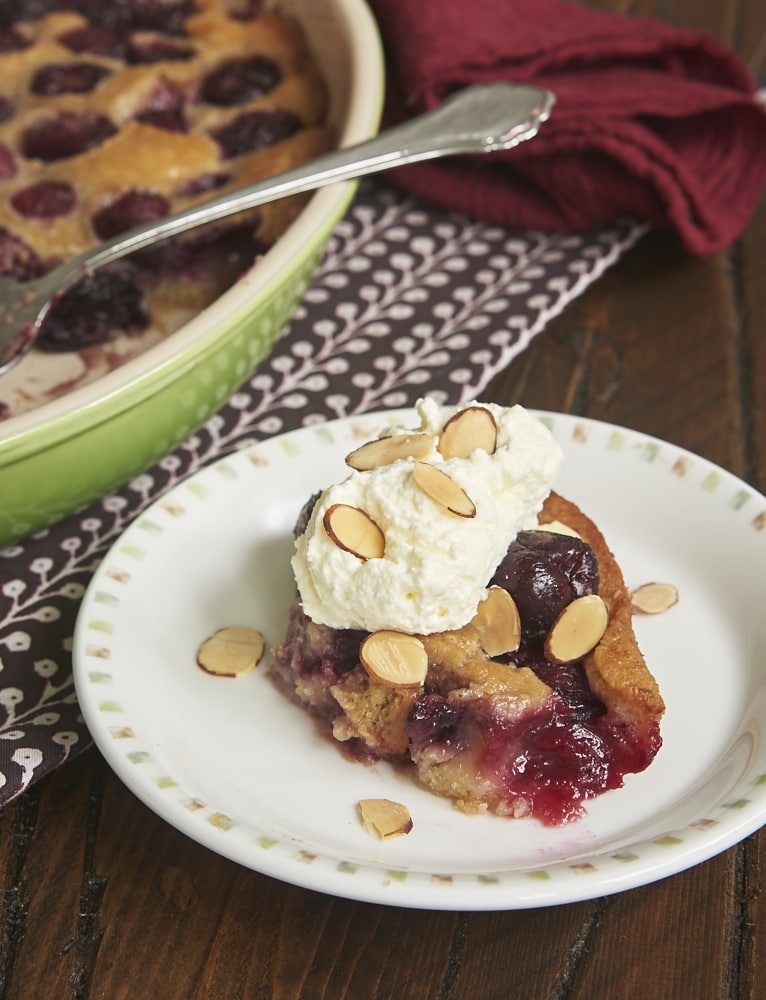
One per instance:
(92,311)
(7,165)
(240,80)
(164,109)
(544,571)
(67,135)
(254,130)
(95,39)
(168,18)
(17,260)
(156,50)
(67,78)
(12,41)
(45,200)
(132,209)
(202,184)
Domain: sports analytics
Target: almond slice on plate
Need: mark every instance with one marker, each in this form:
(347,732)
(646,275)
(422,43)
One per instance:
(386,450)
(653,598)
(394,659)
(231,651)
(498,623)
(442,489)
(469,429)
(354,531)
(578,628)
(384,818)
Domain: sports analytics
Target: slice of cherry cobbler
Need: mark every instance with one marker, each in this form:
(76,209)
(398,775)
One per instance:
(456,613)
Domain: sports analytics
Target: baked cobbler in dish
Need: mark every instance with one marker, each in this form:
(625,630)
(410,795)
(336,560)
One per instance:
(116,114)
(457,614)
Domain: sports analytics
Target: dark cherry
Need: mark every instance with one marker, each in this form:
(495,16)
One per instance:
(45,200)
(7,164)
(168,18)
(66,135)
(93,310)
(202,184)
(164,109)
(239,81)
(17,260)
(544,571)
(157,50)
(93,38)
(434,720)
(7,108)
(244,10)
(254,130)
(302,521)
(12,11)
(132,209)
(169,120)
(12,41)
(67,78)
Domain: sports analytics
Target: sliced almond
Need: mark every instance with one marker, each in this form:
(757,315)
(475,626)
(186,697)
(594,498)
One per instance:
(354,531)
(469,429)
(231,651)
(653,598)
(560,528)
(386,450)
(384,818)
(577,629)
(394,659)
(442,489)
(498,623)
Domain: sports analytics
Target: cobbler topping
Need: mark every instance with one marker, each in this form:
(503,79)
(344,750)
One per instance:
(115,114)
(441,525)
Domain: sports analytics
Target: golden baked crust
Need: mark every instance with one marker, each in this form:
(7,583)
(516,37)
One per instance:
(139,155)
(616,670)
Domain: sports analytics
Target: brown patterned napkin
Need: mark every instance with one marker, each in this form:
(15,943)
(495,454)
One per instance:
(408,302)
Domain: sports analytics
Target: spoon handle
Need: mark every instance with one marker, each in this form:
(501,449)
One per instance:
(478,119)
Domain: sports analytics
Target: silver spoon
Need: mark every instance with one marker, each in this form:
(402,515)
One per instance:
(478,119)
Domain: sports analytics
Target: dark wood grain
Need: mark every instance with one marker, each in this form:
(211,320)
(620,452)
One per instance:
(101,899)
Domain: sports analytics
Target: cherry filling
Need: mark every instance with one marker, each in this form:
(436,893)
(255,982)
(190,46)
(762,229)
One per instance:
(66,135)
(17,260)
(45,200)
(67,78)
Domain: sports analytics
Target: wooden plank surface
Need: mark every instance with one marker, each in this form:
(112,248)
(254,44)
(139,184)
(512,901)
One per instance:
(102,899)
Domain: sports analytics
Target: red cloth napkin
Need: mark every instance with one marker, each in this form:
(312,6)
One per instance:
(651,121)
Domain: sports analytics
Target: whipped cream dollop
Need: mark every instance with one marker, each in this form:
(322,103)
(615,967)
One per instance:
(436,565)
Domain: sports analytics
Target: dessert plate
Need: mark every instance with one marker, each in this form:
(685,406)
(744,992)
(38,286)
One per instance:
(234,765)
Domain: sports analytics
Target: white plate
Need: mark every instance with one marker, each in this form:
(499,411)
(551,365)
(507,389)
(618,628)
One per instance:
(235,766)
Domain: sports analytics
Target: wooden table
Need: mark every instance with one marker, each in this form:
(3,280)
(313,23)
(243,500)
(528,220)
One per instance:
(103,899)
